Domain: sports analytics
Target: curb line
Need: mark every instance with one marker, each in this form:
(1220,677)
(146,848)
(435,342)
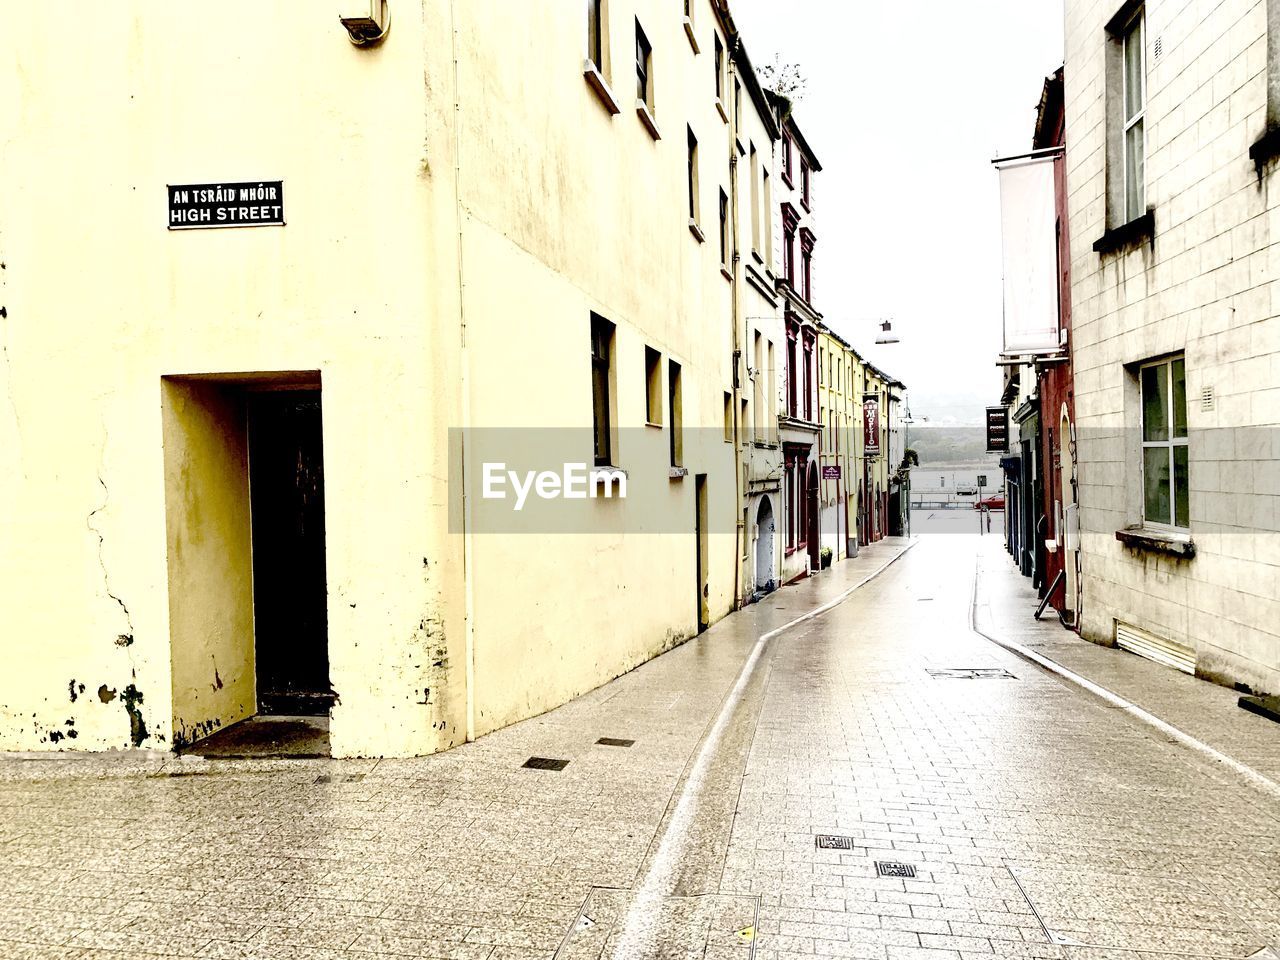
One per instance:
(1256,779)
(655,884)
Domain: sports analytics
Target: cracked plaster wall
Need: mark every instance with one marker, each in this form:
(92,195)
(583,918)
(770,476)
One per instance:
(102,302)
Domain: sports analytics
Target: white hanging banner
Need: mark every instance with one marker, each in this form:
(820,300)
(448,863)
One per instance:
(1028,220)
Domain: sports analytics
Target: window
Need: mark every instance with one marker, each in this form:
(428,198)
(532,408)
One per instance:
(719,62)
(806,271)
(786,158)
(674,404)
(737,102)
(1126,94)
(602,388)
(754,167)
(766,225)
(1273,63)
(793,331)
(808,376)
(653,386)
(644,68)
(693,177)
(724,230)
(728,417)
(1134,99)
(757,385)
(788,252)
(804,183)
(1165,473)
(771,393)
(595,33)
(688,25)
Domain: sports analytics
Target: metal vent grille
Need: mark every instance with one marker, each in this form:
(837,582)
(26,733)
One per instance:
(1158,48)
(826,841)
(1144,644)
(1206,399)
(889,868)
(545,763)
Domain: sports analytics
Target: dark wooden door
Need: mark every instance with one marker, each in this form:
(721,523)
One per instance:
(811,517)
(286,490)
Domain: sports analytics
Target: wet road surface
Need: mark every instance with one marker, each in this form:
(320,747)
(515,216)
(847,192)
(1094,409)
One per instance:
(1038,820)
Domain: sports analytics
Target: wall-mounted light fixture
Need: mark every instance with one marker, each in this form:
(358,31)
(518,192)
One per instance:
(367,21)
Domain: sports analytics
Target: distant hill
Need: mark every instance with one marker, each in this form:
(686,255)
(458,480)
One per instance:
(957,445)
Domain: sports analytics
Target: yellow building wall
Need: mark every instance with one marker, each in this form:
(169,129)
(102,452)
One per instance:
(103,301)
(438,269)
(570,210)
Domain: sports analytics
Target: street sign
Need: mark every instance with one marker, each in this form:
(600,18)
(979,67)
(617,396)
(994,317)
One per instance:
(982,479)
(997,430)
(202,206)
(830,473)
(871,425)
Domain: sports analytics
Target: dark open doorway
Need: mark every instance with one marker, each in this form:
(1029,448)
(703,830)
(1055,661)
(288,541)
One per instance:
(700,548)
(811,516)
(286,494)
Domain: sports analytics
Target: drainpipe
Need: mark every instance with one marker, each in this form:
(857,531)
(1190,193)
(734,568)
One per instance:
(464,377)
(736,286)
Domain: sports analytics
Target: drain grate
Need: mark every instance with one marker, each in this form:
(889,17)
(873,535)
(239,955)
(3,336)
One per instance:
(615,742)
(348,778)
(971,673)
(889,868)
(545,763)
(826,841)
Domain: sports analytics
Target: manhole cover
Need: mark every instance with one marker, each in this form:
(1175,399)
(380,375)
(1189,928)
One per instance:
(545,763)
(615,742)
(828,842)
(971,673)
(888,868)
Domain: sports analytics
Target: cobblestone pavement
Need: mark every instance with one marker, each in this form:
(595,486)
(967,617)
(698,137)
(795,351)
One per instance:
(1040,822)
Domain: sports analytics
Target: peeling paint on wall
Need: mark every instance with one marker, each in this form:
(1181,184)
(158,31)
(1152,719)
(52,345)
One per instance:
(131,696)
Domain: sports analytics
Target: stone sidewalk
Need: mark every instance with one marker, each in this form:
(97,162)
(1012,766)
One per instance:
(1006,603)
(462,855)
(1037,821)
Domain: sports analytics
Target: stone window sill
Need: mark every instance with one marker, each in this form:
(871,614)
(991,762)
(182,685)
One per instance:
(646,117)
(724,114)
(1266,148)
(1158,541)
(677,473)
(725,272)
(688,32)
(595,80)
(697,231)
(1132,234)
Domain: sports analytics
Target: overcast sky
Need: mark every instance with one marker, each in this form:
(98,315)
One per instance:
(906,113)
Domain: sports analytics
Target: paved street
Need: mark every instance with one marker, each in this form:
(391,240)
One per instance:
(1039,820)
(962,520)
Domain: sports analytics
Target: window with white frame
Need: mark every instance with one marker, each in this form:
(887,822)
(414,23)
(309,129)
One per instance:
(1134,98)
(1165,467)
